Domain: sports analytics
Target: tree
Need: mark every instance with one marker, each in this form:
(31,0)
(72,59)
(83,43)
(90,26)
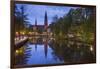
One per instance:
(21,20)
(80,22)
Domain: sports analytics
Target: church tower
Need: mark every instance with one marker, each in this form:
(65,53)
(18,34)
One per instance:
(35,26)
(35,22)
(45,22)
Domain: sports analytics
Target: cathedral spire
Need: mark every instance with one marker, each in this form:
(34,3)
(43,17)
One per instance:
(35,22)
(45,21)
(35,25)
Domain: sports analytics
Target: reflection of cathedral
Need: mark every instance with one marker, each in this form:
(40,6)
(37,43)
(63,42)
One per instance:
(44,30)
(41,28)
(46,48)
(45,45)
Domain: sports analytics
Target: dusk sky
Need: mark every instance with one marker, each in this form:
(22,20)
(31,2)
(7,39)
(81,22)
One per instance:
(38,12)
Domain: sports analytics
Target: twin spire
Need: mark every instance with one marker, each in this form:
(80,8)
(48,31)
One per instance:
(45,20)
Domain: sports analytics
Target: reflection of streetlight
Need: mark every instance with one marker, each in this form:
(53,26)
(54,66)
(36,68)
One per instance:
(17,51)
(20,51)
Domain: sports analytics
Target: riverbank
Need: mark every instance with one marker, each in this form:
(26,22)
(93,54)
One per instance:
(20,43)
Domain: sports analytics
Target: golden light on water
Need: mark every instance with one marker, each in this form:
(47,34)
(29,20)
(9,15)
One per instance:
(17,51)
(20,51)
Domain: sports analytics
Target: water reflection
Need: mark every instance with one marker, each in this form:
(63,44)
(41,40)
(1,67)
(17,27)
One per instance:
(48,51)
(73,52)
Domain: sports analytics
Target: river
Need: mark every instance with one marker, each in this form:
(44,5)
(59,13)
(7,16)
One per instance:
(39,51)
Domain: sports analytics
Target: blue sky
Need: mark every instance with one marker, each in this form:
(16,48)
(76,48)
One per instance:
(38,12)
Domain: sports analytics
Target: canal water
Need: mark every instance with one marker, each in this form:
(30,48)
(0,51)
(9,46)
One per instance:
(39,51)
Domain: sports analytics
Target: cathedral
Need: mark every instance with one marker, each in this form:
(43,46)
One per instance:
(41,28)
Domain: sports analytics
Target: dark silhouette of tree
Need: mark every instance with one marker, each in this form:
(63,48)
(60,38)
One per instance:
(21,20)
(80,22)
